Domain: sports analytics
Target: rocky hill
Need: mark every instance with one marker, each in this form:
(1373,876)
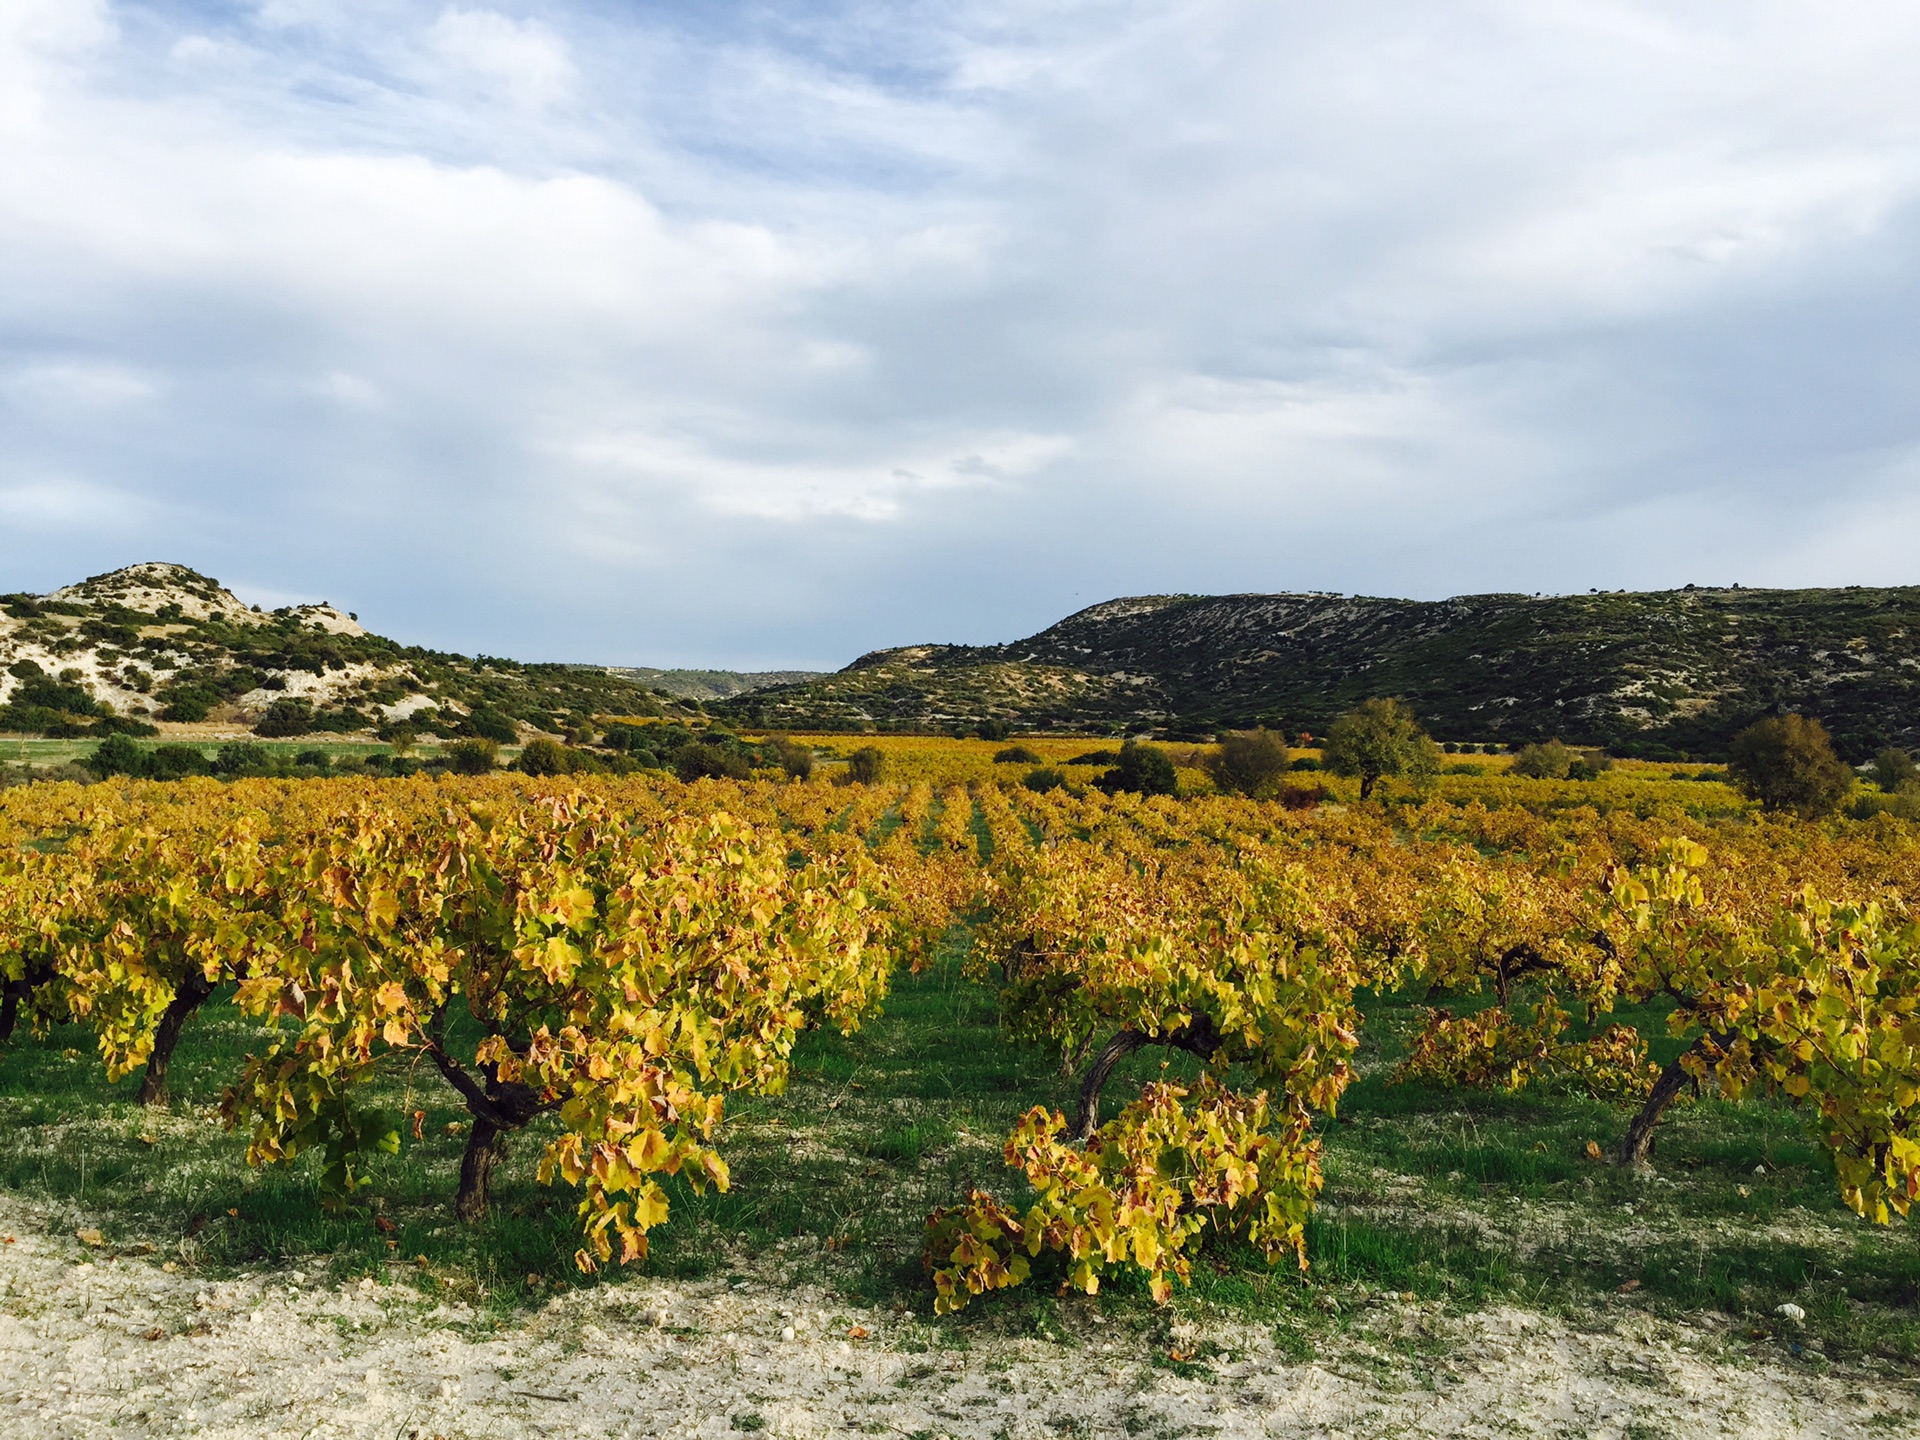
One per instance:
(710,684)
(1660,673)
(162,646)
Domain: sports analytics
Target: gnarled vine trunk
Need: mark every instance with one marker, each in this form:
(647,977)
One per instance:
(1198,1038)
(1638,1146)
(189,997)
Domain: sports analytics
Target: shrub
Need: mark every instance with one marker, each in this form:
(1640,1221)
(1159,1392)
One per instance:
(1380,739)
(171,762)
(314,760)
(242,757)
(117,755)
(1893,770)
(790,755)
(994,729)
(1042,780)
(705,760)
(476,755)
(1249,762)
(1549,761)
(486,723)
(1787,762)
(867,765)
(1141,768)
(284,718)
(1015,755)
(542,756)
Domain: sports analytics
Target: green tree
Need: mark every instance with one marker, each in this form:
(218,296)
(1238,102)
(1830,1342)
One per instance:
(1379,740)
(1142,768)
(1250,762)
(542,756)
(117,755)
(1786,762)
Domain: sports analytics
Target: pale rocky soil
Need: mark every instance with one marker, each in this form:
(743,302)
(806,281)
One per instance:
(97,1344)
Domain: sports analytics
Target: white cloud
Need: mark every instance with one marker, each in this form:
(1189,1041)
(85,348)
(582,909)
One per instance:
(525,58)
(526,319)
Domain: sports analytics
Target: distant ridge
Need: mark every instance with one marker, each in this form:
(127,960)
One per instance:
(161,645)
(710,684)
(1660,673)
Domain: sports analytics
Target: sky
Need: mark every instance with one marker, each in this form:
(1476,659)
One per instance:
(763,335)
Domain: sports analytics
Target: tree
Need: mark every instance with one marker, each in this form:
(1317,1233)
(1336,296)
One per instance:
(544,757)
(117,755)
(1893,769)
(1250,762)
(707,760)
(867,765)
(1550,761)
(486,724)
(1786,762)
(1380,739)
(1141,768)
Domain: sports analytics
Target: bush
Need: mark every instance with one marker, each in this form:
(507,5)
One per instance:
(1096,757)
(1143,769)
(117,755)
(1249,762)
(486,723)
(239,758)
(476,755)
(544,757)
(790,755)
(1893,770)
(285,718)
(705,760)
(1015,755)
(1044,779)
(172,762)
(1787,763)
(867,765)
(313,760)
(1550,761)
(994,729)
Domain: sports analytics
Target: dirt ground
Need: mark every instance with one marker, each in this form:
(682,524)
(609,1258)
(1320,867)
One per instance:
(93,1343)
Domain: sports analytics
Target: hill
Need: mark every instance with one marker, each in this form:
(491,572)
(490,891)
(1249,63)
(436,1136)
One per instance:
(710,684)
(162,646)
(1654,673)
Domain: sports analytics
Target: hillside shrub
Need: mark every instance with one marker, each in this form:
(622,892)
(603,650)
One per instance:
(867,765)
(285,718)
(1893,770)
(1042,780)
(238,758)
(485,723)
(544,757)
(1015,755)
(172,762)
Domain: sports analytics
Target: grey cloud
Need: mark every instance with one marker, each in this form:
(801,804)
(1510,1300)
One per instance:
(718,334)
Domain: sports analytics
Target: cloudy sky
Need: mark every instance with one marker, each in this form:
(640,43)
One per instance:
(766,334)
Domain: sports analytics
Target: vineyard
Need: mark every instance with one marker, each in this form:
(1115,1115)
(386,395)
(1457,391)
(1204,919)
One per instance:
(966,1048)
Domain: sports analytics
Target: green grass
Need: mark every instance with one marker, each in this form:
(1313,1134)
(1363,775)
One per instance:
(1449,1197)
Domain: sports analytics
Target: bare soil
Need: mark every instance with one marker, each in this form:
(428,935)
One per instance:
(97,1343)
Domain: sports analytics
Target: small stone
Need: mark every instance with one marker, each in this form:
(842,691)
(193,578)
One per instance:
(256,1317)
(90,1237)
(1759,1169)
(367,1284)
(170,1266)
(653,1319)
(1791,1312)
(448,1389)
(786,1332)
